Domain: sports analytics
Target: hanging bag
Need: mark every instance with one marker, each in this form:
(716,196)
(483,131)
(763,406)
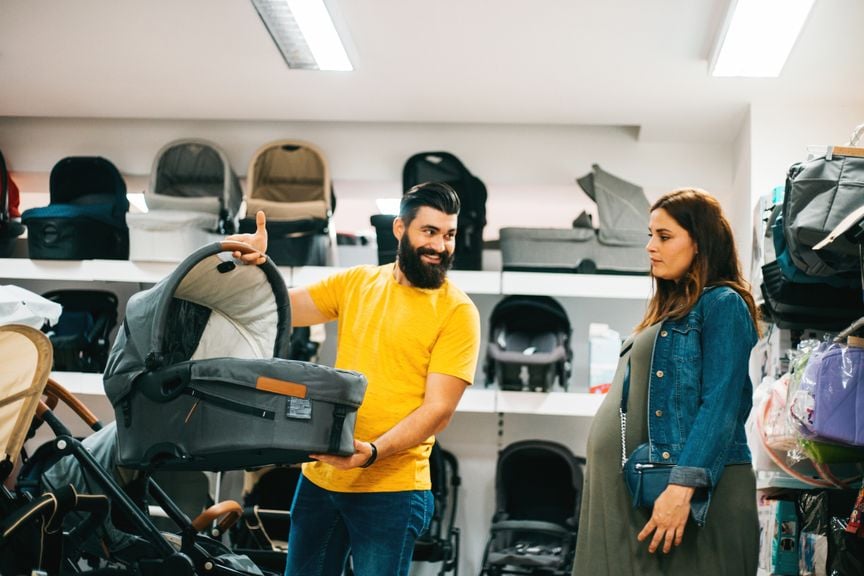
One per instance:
(645,479)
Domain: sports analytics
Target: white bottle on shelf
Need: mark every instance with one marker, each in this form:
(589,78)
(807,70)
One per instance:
(603,347)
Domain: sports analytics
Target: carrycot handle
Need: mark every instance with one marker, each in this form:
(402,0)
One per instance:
(235,246)
(54,391)
(166,384)
(228,510)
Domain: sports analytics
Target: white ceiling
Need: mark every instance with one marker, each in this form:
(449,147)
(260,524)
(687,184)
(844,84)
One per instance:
(609,62)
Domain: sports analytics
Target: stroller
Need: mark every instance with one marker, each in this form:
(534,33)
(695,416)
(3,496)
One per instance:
(529,344)
(194,198)
(440,543)
(87,214)
(616,248)
(9,229)
(442,167)
(266,518)
(81,339)
(262,532)
(290,181)
(89,513)
(538,492)
(207,346)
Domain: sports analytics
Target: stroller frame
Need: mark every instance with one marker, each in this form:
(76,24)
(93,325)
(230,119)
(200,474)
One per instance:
(192,554)
(535,538)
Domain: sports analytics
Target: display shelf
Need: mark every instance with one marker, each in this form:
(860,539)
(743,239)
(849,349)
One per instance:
(84,383)
(476,282)
(548,403)
(472,282)
(577,285)
(305,275)
(769,479)
(474,400)
(140,272)
(478,400)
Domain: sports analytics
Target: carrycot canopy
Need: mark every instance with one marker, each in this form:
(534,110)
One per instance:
(194,175)
(289,180)
(204,353)
(622,207)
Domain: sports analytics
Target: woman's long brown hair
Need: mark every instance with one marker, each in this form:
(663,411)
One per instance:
(714,264)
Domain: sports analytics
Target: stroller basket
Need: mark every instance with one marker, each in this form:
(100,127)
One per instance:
(203,353)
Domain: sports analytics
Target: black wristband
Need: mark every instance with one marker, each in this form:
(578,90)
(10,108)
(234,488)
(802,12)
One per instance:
(372,457)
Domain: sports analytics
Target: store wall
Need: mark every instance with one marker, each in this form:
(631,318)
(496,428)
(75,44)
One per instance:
(529,169)
(781,135)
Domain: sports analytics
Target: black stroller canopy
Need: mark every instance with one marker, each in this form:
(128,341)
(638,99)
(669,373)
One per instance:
(88,180)
(530,314)
(521,465)
(530,332)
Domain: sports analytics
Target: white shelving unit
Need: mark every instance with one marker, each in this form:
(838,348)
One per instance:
(476,399)
(472,282)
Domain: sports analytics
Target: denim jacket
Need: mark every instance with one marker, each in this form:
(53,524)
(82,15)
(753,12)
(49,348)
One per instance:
(700,394)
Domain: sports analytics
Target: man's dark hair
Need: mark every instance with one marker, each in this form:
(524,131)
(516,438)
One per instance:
(437,195)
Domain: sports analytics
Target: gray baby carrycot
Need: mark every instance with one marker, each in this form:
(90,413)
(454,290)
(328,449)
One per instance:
(193,198)
(199,379)
(617,247)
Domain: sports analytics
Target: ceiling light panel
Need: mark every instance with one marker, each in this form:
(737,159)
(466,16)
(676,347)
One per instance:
(304,33)
(758,36)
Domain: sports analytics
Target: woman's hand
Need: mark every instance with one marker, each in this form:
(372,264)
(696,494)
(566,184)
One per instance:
(671,510)
(258,241)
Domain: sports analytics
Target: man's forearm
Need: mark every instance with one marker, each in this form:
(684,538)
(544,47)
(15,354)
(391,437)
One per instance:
(413,429)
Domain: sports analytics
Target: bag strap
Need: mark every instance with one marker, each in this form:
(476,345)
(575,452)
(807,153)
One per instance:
(622,411)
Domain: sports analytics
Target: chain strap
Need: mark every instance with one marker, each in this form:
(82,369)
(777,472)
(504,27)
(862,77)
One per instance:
(623,436)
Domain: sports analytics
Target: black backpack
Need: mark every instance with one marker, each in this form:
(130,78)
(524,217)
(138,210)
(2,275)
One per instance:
(447,168)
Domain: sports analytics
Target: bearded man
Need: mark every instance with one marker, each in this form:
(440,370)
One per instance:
(416,337)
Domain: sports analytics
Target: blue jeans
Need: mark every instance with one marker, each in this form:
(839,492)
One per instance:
(378,528)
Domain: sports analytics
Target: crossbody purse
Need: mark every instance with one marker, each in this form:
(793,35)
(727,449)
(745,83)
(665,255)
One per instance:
(646,480)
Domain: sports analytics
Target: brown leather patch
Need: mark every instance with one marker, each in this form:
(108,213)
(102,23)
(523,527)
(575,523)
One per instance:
(282,387)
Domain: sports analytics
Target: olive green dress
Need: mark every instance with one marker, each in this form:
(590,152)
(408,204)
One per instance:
(728,544)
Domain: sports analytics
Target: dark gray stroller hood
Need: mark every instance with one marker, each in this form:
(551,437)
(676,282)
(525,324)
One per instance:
(622,207)
(195,175)
(199,379)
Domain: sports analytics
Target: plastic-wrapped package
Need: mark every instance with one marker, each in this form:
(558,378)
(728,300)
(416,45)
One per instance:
(779,434)
(839,396)
(802,385)
(845,550)
(826,548)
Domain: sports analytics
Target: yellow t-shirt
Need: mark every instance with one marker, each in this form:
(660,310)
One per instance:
(395,335)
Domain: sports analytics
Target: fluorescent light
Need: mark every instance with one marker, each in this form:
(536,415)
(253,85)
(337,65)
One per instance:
(757,37)
(304,33)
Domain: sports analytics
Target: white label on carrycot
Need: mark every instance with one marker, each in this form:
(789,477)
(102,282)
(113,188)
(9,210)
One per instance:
(299,409)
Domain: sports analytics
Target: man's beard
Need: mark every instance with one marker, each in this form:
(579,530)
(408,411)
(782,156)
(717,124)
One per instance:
(418,272)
